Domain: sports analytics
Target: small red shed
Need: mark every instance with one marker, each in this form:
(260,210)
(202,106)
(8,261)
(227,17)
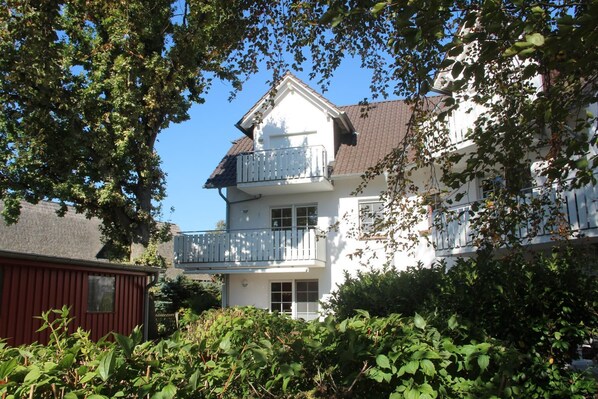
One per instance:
(103,297)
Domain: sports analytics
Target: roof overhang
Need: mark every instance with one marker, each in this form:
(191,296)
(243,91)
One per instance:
(122,267)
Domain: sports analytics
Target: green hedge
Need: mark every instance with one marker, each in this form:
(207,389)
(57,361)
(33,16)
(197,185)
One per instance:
(250,353)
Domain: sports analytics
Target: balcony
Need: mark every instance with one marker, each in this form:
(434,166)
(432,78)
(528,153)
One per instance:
(250,251)
(284,171)
(578,208)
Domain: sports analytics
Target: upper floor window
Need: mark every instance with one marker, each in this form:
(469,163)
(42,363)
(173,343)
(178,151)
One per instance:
(370,213)
(302,217)
(514,180)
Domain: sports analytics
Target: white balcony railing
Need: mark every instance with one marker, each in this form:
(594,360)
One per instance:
(578,209)
(282,164)
(265,247)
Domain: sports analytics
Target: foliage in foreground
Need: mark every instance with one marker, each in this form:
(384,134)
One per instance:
(246,352)
(543,307)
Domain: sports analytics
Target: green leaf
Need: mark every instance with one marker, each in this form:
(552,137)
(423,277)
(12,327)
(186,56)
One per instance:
(456,69)
(70,395)
(428,367)
(522,45)
(378,7)
(483,361)
(33,375)
(67,361)
(337,20)
(582,163)
(537,39)
(411,367)
(126,344)
(419,322)
(7,367)
(412,394)
(106,366)
(426,389)
(511,51)
(169,391)
(382,361)
(225,344)
(260,355)
(193,380)
(87,377)
(453,323)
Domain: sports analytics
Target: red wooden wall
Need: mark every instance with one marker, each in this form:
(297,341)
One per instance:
(31,286)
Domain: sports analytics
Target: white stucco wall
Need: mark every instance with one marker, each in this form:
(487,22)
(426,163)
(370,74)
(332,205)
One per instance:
(295,121)
(335,208)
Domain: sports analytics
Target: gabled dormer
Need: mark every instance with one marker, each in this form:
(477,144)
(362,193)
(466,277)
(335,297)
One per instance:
(295,134)
(294,115)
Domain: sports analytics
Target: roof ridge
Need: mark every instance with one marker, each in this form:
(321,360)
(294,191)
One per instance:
(373,103)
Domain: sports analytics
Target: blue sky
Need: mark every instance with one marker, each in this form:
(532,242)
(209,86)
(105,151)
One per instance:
(191,150)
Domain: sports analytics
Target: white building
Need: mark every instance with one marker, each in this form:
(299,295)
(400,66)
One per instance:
(291,177)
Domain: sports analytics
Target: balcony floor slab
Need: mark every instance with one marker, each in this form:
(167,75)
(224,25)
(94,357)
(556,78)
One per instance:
(293,186)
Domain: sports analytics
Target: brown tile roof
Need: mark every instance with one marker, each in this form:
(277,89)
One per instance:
(379,131)
(225,174)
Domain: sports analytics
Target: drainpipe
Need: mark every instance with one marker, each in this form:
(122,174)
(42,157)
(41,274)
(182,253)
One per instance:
(146,310)
(229,203)
(226,282)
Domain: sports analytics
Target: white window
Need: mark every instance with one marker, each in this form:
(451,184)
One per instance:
(370,213)
(491,186)
(298,299)
(514,180)
(302,217)
(281,297)
(307,299)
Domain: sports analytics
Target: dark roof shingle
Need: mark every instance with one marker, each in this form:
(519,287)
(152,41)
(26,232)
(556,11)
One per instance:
(225,174)
(380,129)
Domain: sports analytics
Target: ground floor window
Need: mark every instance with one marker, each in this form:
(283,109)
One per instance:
(281,297)
(298,299)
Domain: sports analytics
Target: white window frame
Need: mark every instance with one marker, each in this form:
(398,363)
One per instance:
(294,313)
(367,234)
(294,215)
(500,181)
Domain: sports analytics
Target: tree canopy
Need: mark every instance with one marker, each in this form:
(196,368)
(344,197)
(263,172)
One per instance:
(526,72)
(87,86)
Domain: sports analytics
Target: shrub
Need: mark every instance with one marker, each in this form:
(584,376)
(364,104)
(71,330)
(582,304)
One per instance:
(540,309)
(248,352)
(545,306)
(181,292)
(387,291)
